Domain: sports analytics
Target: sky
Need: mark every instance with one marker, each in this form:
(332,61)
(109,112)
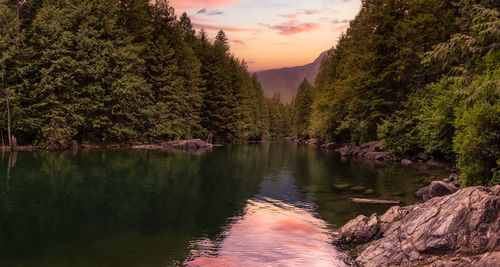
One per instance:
(270,34)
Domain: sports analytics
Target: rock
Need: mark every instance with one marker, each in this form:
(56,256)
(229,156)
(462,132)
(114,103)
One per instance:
(436,189)
(423,156)
(460,229)
(488,259)
(311,142)
(369,191)
(341,186)
(358,188)
(359,230)
(370,150)
(406,162)
(330,146)
(193,144)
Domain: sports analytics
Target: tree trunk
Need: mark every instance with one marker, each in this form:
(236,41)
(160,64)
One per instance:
(18,15)
(374,201)
(9,136)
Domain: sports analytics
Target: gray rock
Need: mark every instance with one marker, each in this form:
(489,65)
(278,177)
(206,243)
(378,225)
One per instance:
(193,144)
(330,146)
(438,232)
(311,142)
(423,156)
(436,189)
(406,162)
(359,230)
(370,150)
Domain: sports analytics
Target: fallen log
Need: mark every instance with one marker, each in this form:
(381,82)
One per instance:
(374,201)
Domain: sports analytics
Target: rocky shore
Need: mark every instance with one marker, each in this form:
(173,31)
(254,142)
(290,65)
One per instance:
(460,229)
(181,145)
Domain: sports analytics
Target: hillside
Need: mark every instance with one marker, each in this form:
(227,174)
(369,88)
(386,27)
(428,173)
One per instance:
(287,80)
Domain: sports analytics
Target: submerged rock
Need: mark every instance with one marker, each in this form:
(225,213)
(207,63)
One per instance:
(460,229)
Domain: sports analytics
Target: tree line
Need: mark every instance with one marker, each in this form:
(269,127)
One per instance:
(420,75)
(125,71)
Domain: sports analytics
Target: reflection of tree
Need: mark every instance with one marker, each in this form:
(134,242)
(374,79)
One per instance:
(72,199)
(10,164)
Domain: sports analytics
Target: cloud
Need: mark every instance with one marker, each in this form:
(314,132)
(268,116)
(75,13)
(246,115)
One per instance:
(209,12)
(337,21)
(310,12)
(293,27)
(226,29)
(289,16)
(341,27)
(297,14)
(236,41)
(200,3)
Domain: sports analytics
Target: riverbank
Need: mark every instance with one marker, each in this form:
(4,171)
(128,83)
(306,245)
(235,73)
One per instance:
(189,145)
(372,151)
(460,229)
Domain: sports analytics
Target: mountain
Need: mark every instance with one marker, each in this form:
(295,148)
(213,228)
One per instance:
(286,80)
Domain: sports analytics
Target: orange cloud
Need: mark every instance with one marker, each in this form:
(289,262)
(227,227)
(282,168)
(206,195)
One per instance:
(292,27)
(200,3)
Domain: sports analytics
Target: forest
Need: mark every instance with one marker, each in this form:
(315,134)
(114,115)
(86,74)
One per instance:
(420,75)
(123,71)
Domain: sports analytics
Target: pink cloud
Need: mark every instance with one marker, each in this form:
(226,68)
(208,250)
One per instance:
(236,41)
(292,27)
(297,14)
(226,29)
(200,3)
(290,16)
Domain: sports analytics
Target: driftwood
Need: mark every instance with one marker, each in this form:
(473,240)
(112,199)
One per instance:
(374,201)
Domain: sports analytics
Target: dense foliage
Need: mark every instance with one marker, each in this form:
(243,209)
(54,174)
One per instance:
(124,71)
(423,76)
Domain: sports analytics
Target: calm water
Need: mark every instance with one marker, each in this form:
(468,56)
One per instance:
(270,204)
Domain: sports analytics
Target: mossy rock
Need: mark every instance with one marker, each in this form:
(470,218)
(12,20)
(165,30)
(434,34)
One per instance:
(358,188)
(369,191)
(341,186)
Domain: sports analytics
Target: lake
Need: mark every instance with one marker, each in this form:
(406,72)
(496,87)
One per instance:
(264,204)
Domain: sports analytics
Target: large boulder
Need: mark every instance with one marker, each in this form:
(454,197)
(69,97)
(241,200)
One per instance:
(360,230)
(371,150)
(436,189)
(460,229)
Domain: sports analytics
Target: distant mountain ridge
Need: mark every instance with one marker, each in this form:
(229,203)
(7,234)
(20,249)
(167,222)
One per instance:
(286,81)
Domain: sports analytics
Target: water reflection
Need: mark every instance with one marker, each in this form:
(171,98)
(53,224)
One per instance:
(260,204)
(270,233)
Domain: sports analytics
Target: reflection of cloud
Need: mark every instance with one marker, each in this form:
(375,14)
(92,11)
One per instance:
(270,233)
(209,12)
(226,29)
(293,27)
(200,3)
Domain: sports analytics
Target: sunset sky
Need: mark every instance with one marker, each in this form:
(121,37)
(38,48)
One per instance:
(273,33)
